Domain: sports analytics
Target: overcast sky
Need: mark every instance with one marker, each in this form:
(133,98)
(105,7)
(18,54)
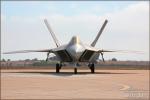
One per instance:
(22,26)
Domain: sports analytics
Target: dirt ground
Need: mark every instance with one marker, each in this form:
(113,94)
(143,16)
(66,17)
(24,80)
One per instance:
(46,84)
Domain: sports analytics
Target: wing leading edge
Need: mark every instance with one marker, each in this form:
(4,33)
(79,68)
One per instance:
(27,51)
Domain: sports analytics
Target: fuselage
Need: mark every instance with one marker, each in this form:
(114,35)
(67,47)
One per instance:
(75,48)
(76,51)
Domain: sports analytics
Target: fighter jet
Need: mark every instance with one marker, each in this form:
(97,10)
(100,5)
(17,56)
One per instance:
(74,52)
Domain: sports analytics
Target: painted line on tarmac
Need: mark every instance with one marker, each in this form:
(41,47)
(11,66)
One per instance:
(124,87)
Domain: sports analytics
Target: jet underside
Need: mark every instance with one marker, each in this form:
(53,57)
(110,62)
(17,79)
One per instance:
(86,56)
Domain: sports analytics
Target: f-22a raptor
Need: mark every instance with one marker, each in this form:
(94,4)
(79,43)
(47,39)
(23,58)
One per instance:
(74,52)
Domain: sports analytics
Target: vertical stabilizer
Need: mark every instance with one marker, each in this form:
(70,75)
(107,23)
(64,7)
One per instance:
(99,33)
(52,33)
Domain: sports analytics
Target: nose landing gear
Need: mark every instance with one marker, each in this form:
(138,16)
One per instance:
(75,70)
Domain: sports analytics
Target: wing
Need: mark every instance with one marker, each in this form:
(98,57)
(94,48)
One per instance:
(27,51)
(60,52)
(121,51)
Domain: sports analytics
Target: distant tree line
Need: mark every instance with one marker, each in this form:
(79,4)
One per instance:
(5,60)
(43,63)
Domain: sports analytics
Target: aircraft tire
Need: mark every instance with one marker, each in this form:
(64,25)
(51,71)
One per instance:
(92,68)
(75,70)
(57,68)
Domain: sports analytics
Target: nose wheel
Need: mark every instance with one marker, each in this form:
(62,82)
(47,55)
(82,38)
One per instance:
(75,70)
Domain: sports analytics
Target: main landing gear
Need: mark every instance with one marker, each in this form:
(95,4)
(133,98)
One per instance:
(75,68)
(58,67)
(92,67)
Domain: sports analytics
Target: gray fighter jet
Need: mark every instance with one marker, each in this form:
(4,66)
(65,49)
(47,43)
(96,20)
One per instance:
(74,52)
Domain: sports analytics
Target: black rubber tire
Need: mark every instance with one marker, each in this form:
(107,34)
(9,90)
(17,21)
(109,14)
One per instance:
(57,68)
(75,70)
(92,68)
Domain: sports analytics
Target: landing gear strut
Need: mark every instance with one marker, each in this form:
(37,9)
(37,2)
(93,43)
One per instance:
(75,68)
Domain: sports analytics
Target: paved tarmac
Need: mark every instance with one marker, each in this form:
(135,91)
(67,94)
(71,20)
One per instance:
(46,84)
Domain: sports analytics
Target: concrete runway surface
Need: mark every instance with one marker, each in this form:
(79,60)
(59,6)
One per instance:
(46,84)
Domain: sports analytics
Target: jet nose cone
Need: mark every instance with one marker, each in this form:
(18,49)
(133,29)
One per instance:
(76,51)
(75,40)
